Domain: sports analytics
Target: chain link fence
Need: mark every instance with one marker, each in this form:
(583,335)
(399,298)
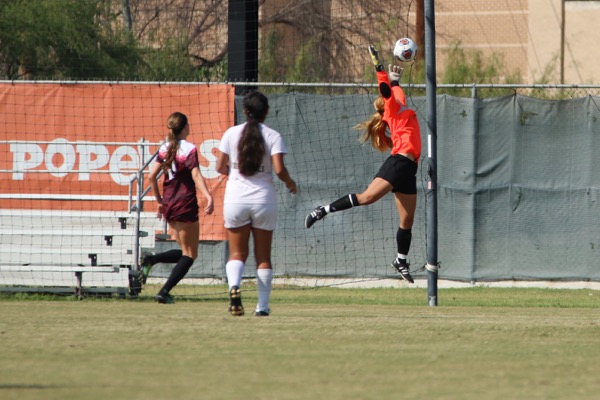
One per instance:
(474,90)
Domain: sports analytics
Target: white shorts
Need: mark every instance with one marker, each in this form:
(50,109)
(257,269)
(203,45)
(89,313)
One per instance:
(261,216)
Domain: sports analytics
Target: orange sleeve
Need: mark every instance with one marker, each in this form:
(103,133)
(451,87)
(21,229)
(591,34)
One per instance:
(399,94)
(389,93)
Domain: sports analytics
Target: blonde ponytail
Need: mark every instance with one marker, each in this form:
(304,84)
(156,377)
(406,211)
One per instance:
(375,128)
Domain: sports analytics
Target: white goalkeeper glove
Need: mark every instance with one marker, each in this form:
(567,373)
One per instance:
(375,57)
(395,73)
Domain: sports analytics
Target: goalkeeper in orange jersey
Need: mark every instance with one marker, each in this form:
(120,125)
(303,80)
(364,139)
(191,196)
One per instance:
(398,174)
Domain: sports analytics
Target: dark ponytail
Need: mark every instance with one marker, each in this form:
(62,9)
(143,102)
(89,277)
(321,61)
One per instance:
(251,147)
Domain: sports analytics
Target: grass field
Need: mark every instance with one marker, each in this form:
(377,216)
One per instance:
(327,343)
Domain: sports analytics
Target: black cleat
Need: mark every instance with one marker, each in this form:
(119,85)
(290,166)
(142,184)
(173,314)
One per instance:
(403,269)
(164,299)
(235,302)
(317,214)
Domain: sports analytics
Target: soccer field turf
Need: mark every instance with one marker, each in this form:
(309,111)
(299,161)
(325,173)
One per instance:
(317,344)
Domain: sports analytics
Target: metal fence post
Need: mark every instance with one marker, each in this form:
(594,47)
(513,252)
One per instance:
(432,239)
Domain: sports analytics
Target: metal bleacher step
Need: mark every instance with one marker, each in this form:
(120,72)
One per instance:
(71,250)
(61,278)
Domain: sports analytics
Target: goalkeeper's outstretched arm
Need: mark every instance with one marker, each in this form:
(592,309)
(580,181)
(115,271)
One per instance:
(384,86)
(375,58)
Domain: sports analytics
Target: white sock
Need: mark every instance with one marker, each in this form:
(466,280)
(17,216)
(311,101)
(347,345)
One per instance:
(264,280)
(234,270)
(401,256)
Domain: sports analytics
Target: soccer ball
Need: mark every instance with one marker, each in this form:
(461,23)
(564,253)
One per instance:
(405,50)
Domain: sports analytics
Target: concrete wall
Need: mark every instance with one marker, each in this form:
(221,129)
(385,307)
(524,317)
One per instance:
(582,42)
(527,34)
(485,26)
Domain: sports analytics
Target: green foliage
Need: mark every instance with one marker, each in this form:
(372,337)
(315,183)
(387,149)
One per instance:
(472,67)
(268,66)
(548,76)
(85,40)
(169,63)
(308,67)
(62,39)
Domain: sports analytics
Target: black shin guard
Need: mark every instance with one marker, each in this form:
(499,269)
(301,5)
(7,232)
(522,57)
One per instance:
(179,271)
(344,203)
(403,239)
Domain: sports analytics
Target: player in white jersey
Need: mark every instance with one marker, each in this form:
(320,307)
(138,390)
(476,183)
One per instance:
(249,154)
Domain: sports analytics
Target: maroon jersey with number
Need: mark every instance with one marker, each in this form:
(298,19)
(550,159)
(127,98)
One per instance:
(179,190)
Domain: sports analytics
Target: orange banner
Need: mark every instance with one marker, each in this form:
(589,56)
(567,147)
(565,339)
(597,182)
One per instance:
(77,146)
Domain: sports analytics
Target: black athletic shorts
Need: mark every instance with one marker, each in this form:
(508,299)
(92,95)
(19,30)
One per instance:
(401,173)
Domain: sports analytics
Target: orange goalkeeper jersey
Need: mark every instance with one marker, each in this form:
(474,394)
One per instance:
(402,121)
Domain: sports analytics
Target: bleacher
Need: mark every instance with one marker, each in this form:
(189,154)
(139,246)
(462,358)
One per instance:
(80,252)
